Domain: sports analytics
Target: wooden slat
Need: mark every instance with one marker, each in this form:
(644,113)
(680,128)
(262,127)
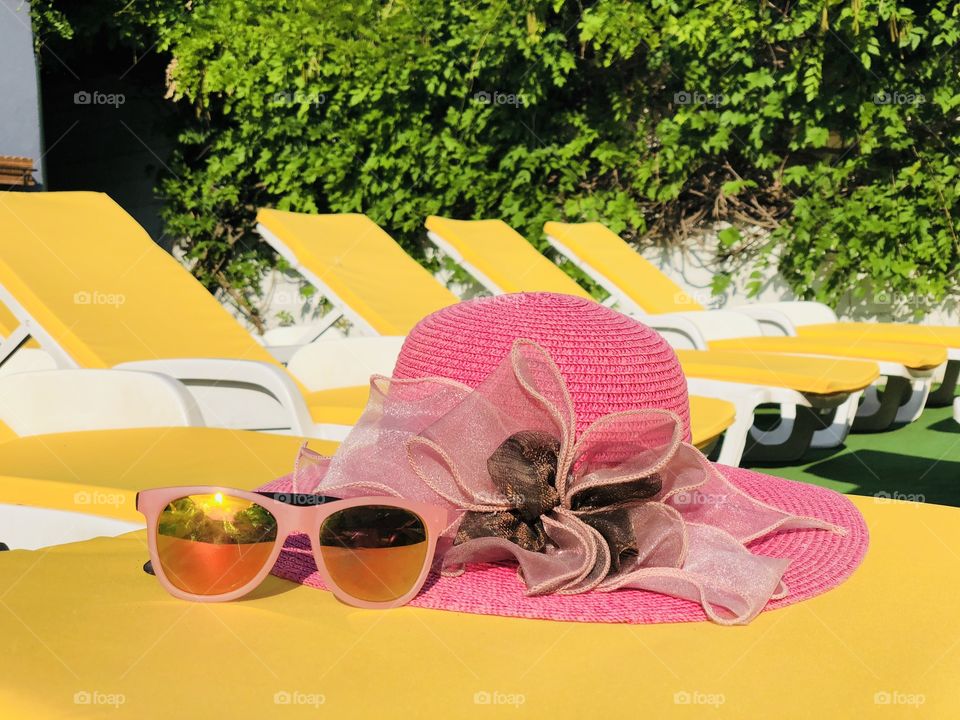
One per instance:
(16,170)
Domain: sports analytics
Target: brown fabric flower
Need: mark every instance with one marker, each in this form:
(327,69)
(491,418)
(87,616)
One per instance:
(524,472)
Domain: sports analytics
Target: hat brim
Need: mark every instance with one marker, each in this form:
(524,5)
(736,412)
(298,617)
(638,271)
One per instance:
(819,561)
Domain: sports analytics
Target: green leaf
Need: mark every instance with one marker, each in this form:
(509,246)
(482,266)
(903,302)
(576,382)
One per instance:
(729,237)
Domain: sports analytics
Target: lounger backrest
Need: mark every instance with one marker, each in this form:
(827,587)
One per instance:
(609,255)
(79,267)
(504,256)
(352,258)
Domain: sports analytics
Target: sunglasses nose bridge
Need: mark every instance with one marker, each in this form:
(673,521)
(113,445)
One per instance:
(303,519)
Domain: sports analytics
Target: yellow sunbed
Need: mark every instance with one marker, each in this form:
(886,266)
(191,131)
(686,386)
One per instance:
(358,266)
(940,335)
(81,276)
(97,288)
(626,272)
(643,284)
(499,257)
(915,357)
(88,634)
(709,417)
(800,372)
(99,472)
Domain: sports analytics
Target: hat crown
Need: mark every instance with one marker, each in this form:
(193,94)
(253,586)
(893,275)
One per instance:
(610,362)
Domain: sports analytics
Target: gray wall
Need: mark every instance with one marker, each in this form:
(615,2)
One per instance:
(19,104)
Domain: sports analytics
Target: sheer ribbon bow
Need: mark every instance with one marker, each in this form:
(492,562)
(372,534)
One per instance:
(628,504)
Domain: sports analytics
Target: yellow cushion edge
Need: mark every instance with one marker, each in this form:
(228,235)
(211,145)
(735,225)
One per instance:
(439,296)
(639,279)
(917,357)
(709,417)
(512,251)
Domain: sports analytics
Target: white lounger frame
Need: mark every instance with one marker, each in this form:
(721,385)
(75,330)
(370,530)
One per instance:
(237,394)
(70,400)
(57,401)
(30,528)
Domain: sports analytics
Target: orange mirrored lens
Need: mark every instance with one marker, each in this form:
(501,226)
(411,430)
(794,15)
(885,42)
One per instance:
(214,544)
(374,553)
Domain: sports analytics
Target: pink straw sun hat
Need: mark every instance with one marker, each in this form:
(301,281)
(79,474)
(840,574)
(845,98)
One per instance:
(634,526)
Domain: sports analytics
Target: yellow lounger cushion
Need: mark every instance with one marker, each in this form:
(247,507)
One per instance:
(947,336)
(94,280)
(84,618)
(362,265)
(799,372)
(917,357)
(6,433)
(613,258)
(338,406)
(9,323)
(709,417)
(504,256)
(100,471)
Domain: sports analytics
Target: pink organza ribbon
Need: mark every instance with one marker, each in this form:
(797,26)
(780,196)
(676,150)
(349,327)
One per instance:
(430,439)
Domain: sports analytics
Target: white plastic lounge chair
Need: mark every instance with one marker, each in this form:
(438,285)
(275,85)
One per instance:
(82,285)
(48,402)
(903,352)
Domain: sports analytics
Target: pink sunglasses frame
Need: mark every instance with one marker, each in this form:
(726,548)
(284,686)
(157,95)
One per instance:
(290,519)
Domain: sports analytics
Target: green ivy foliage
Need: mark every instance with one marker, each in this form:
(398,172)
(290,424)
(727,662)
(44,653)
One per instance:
(830,125)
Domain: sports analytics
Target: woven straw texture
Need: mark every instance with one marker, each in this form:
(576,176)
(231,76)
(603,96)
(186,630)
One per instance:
(821,560)
(610,362)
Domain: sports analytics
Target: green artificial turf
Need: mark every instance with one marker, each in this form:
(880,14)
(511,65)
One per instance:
(919,461)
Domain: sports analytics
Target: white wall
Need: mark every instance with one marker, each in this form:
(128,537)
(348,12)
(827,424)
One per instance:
(692,268)
(19,103)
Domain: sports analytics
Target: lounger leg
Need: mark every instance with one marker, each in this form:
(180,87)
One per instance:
(792,445)
(943,395)
(879,409)
(912,407)
(735,439)
(834,435)
(781,432)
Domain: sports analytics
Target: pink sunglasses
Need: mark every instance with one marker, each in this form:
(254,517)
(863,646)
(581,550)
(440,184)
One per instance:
(214,543)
